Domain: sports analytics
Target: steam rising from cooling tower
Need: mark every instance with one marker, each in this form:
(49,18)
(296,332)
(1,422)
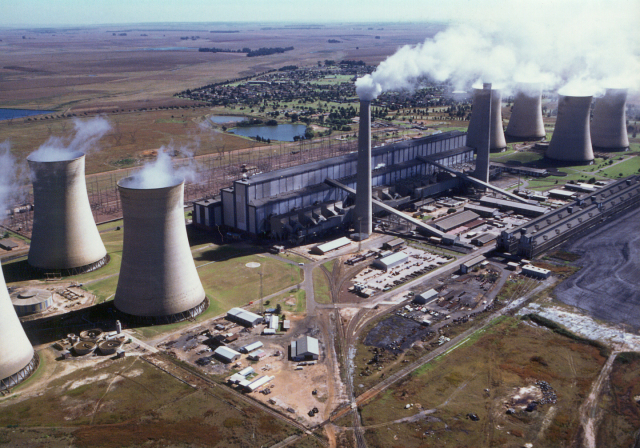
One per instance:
(8,176)
(17,358)
(595,44)
(525,123)
(609,124)
(158,278)
(64,236)
(571,140)
(475,138)
(84,140)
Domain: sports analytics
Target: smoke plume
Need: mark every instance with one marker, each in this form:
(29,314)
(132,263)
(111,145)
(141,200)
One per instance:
(581,47)
(162,173)
(8,178)
(84,140)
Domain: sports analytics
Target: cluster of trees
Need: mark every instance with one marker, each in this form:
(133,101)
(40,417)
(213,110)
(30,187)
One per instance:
(288,68)
(224,50)
(250,122)
(264,51)
(334,41)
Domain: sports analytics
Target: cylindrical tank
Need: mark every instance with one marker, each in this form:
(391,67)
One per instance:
(497,141)
(609,123)
(158,278)
(364,205)
(17,358)
(83,348)
(571,140)
(526,122)
(65,236)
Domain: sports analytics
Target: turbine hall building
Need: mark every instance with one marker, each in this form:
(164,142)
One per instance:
(296,201)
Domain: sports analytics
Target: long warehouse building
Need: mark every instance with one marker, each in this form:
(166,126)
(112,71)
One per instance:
(541,234)
(296,201)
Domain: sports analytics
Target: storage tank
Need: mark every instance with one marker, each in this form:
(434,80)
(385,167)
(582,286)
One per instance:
(526,122)
(364,207)
(497,141)
(571,139)
(482,106)
(158,280)
(609,123)
(18,360)
(64,237)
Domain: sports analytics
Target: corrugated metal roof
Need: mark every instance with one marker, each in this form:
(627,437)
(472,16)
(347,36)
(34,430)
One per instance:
(474,261)
(394,258)
(226,352)
(245,315)
(456,220)
(335,244)
(251,347)
(305,344)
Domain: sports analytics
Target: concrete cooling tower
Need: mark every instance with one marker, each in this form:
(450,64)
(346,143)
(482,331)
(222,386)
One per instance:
(65,237)
(364,208)
(158,279)
(497,141)
(609,123)
(526,122)
(17,358)
(571,140)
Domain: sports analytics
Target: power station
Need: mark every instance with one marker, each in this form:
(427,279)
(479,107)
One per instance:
(609,123)
(571,139)
(17,357)
(64,237)
(525,123)
(497,141)
(158,280)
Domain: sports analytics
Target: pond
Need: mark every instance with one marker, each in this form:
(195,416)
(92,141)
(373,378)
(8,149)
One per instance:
(219,119)
(281,132)
(7,114)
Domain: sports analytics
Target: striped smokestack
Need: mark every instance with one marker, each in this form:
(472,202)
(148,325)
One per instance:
(482,105)
(364,208)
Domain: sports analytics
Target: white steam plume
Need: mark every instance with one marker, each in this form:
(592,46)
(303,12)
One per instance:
(8,178)
(583,46)
(84,140)
(162,173)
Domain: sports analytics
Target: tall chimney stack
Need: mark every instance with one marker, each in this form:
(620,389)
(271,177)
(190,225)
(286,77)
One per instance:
(65,236)
(17,358)
(364,207)
(482,105)
(609,123)
(497,142)
(158,279)
(571,139)
(526,122)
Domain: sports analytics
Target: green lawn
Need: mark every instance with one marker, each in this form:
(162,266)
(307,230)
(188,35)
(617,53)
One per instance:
(292,301)
(626,168)
(321,287)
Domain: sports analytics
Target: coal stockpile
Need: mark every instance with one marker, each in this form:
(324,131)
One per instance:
(396,334)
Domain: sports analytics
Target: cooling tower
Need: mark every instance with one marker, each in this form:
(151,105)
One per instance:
(526,122)
(571,140)
(17,358)
(482,105)
(609,123)
(497,141)
(65,236)
(364,208)
(158,278)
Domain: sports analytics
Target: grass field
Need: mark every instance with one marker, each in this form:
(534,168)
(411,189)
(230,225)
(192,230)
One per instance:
(128,402)
(510,354)
(292,301)
(321,287)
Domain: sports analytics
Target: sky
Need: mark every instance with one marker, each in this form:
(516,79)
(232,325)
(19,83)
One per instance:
(20,13)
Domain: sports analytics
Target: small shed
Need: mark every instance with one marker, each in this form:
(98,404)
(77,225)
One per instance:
(534,271)
(395,244)
(225,354)
(251,347)
(426,297)
(305,348)
(468,265)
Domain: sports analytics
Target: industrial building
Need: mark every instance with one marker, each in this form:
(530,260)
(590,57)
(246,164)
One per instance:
(480,210)
(609,123)
(469,265)
(482,99)
(18,360)
(158,279)
(243,317)
(322,249)
(305,348)
(483,239)
(64,238)
(295,202)
(391,261)
(395,244)
(251,347)
(571,139)
(31,301)
(455,220)
(426,297)
(225,354)
(536,272)
(517,207)
(525,123)
(541,234)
